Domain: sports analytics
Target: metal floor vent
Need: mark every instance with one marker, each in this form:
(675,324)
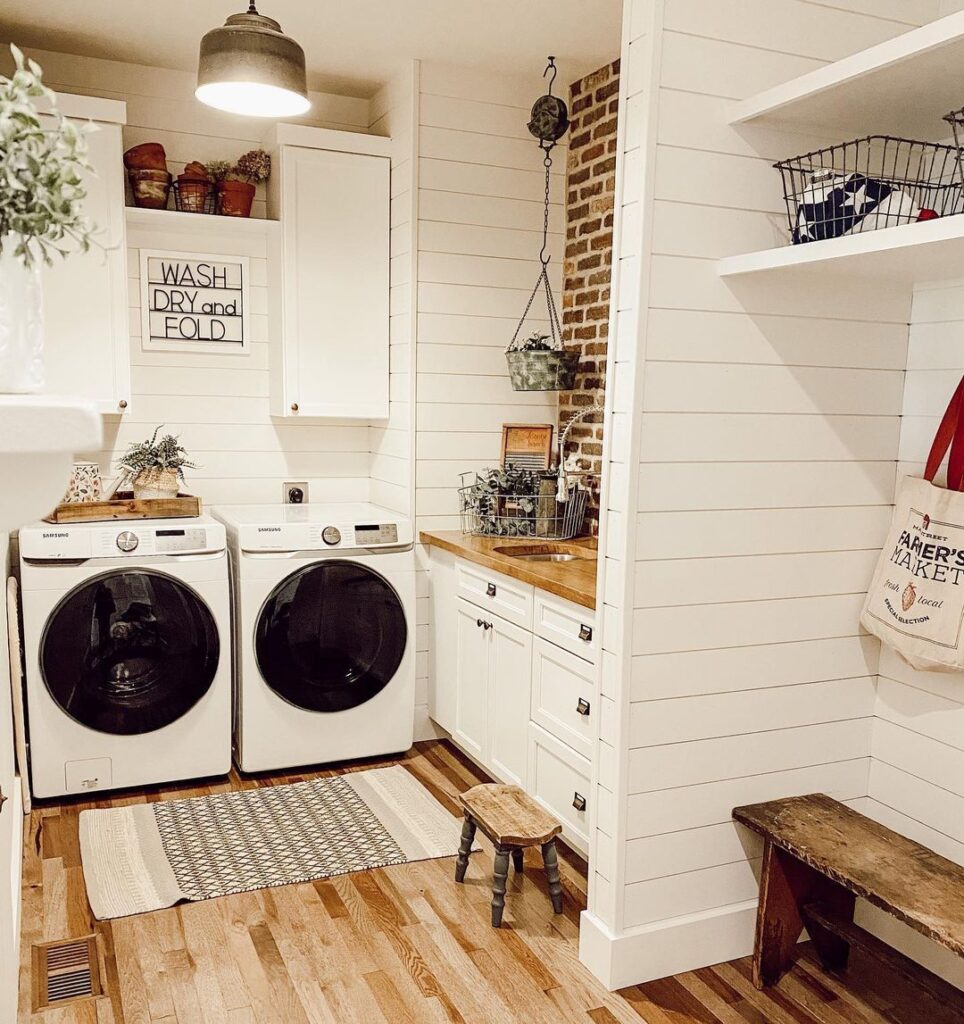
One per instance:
(64,972)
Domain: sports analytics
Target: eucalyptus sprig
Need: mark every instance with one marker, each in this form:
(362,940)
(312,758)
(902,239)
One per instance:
(41,165)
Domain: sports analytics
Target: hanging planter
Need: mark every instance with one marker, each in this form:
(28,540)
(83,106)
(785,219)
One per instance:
(541,362)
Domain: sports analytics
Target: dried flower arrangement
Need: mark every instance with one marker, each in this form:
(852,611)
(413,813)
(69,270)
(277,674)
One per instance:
(253,167)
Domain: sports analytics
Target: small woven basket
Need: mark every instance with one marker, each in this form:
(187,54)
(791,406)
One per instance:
(542,370)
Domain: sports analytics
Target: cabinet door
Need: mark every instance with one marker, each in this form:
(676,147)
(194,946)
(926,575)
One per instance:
(335,223)
(510,669)
(472,667)
(86,326)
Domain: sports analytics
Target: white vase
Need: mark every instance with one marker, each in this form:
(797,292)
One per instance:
(21,326)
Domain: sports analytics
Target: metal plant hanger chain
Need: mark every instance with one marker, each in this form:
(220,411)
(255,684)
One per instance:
(549,122)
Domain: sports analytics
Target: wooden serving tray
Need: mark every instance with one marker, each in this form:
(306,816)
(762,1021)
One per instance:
(124,506)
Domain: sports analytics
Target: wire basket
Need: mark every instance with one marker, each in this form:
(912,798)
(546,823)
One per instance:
(194,196)
(876,182)
(524,515)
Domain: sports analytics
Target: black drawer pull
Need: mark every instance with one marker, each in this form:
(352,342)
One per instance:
(578,801)
(582,708)
(490,590)
(585,632)
(479,622)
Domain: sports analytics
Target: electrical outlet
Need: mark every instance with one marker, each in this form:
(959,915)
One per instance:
(294,493)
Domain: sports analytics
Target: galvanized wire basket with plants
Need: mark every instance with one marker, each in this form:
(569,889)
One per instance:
(514,502)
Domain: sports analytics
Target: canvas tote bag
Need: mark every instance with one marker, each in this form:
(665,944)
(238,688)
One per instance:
(916,600)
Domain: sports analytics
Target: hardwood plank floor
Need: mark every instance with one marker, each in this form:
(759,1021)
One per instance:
(396,945)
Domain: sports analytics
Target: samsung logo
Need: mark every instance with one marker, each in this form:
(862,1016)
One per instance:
(269,529)
(48,536)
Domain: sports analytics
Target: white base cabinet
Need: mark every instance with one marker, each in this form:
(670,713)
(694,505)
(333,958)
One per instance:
(492,691)
(512,680)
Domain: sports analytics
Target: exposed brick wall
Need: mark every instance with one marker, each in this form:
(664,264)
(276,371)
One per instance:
(590,195)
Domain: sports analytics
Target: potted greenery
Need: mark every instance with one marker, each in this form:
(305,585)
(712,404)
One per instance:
(236,190)
(155,467)
(41,214)
(539,364)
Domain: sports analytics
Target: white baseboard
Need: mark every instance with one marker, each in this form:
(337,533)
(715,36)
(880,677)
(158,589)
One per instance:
(425,728)
(663,948)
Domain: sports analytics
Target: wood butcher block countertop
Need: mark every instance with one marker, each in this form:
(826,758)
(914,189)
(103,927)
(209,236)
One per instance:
(575,581)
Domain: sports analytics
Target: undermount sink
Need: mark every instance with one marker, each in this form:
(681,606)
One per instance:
(545,552)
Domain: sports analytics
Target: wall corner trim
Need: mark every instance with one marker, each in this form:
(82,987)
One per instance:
(663,948)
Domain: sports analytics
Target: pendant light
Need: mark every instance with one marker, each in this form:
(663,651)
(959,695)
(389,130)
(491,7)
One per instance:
(249,66)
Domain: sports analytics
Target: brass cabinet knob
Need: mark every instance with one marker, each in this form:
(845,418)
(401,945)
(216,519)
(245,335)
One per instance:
(294,406)
(122,404)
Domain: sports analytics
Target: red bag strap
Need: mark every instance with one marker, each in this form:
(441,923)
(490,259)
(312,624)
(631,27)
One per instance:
(950,434)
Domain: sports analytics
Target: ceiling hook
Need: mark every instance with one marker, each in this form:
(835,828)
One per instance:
(551,66)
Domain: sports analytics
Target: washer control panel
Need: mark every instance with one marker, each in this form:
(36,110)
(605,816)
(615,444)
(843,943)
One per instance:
(121,540)
(372,536)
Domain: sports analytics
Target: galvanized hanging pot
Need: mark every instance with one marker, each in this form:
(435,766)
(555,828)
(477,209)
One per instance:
(540,362)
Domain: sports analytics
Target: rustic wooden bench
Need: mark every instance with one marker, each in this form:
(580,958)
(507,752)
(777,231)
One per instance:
(513,821)
(818,856)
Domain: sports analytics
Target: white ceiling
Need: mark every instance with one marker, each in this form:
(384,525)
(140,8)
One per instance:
(352,46)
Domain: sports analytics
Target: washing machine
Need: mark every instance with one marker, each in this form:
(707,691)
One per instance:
(324,614)
(126,632)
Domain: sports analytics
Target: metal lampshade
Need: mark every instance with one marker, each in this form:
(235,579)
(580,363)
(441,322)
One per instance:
(249,66)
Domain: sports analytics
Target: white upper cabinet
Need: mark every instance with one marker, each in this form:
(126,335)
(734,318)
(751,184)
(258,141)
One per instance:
(329,274)
(86,320)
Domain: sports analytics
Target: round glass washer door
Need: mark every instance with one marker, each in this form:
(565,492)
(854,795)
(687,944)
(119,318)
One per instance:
(330,636)
(129,652)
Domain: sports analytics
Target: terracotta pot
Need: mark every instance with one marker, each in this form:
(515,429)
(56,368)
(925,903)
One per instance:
(150,188)
(155,483)
(235,198)
(148,156)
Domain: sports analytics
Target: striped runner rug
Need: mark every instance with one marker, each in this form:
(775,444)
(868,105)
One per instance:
(150,856)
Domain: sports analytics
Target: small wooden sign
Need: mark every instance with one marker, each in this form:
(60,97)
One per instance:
(194,303)
(527,445)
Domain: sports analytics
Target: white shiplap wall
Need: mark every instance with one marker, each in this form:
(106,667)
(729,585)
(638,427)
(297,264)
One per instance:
(393,113)
(917,765)
(479,232)
(752,464)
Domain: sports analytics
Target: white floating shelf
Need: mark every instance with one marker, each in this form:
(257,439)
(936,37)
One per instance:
(911,254)
(903,86)
(174,220)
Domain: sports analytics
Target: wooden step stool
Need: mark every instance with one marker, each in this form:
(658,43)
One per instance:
(513,821)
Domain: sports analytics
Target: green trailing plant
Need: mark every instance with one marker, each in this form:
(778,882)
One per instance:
(166,453)
(252,167)
(42,163)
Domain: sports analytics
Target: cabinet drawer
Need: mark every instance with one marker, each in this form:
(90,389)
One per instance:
(559,779)
(499,594)
(564,696)
(569,625)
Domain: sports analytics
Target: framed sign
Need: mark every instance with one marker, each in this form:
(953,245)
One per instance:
(194,303)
